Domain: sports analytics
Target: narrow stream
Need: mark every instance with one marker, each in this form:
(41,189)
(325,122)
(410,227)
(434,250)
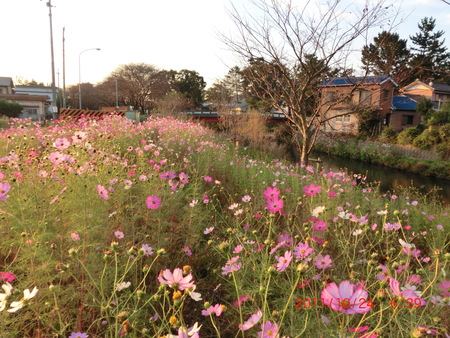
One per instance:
(389,179)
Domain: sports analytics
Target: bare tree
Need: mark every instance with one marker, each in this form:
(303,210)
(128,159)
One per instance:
(140,84)
(279,41)
(173,103)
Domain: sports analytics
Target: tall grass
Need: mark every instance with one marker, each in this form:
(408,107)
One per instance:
(163,228)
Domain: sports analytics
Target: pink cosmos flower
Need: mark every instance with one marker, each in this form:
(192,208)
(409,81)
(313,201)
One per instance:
(187,251)
(238,302)
(62,143)
(269,330)
(254,318)
(358,329)
(102,192)
(275,248)
(274,205)
(119,234)
(56,157)
(302,251)
(332,194)
(207,178)
(246,199)
(322,262)
(411,251)
(318,224)
(216,309)
(407,293)
(271,193)
(384,272)
(347,298)
(284,261)
(205,199)
(445,288)
(176,280)
(7,277)
(153,202)
(286,239)
(75,236)
(4,189)
(238,249)
(184,178)
(147,250)
(311,190)
(167,175)
(208,230)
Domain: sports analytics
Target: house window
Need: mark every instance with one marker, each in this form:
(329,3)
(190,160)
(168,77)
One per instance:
(330,96)
(1,90)
(385,94)
(31,111)
(407,120)
(346,118)
(365,96)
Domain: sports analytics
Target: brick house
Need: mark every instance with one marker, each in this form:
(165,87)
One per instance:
(404,114)
(344,96)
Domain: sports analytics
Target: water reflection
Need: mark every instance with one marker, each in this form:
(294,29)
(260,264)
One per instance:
(390,179)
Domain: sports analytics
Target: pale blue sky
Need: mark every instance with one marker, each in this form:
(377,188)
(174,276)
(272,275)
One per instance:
(170,34)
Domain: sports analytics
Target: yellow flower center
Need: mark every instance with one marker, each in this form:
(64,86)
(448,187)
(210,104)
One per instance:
(345,303)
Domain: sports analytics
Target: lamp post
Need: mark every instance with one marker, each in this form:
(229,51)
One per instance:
(79,73)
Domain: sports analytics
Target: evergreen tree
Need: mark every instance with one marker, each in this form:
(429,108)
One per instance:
(387,54)
(431,60)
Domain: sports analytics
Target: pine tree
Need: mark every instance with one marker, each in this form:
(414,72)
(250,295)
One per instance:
(431,60)
(387,54)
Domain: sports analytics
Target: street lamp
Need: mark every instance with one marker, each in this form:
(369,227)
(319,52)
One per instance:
(79,73)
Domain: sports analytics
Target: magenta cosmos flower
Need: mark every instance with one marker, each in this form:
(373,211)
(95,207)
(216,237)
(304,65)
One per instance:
(7,277)
(271,193)
(176,280)
(269,330)
(274,205)
(346,298)
(153,202)
(311,190)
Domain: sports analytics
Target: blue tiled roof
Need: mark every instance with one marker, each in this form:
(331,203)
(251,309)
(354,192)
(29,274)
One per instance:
(353,80)
(403,103)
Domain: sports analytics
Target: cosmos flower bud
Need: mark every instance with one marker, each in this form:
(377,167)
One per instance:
(73,252)
(173,320)
(187,269)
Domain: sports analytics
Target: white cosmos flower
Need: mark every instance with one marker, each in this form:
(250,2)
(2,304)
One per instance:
(3,296)
(317,211)
(194,295)
(404,244)
(122,286)
(27,295)
(357,232)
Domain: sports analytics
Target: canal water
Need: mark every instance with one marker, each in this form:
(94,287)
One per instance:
(389,179)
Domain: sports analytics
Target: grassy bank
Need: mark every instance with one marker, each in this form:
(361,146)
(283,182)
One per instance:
(383,154)
(163,229)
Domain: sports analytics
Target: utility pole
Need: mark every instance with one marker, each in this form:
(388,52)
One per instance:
(54,107)
(64,69)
